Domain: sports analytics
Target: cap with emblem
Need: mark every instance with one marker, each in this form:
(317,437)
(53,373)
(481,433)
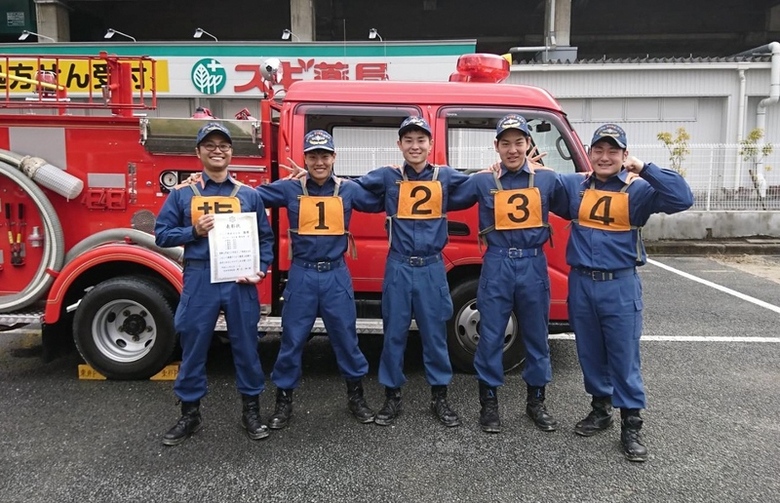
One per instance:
(318,139)
(512,121)
(212,127)
(411,123)
(611,132)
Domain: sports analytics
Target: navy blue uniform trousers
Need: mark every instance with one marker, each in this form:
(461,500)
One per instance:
(195,319)
(418,287)
(606,315)
(312,290)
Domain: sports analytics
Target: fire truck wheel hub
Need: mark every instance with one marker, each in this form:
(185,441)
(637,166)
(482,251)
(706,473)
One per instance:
(467,327)
(123,330)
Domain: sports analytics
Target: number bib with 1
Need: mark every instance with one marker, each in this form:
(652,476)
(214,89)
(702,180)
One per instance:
(321,216)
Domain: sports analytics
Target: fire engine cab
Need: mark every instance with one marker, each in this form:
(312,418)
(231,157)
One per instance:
(83,176)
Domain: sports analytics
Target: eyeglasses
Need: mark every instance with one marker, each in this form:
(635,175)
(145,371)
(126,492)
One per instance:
(223,147)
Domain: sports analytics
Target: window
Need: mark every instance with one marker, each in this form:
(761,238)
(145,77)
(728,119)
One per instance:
(365,136)
(471,132)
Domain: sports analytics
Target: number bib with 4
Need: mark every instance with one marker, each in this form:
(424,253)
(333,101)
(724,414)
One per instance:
(321,216)
(517,209)
(604,210)
(205,205)
(419,200)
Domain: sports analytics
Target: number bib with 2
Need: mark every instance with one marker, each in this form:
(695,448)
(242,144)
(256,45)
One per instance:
(420,200)
(604,210)
(205,205)
(517,209)
(321,216)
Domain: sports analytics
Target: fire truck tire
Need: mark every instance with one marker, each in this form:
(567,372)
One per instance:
(123,328)
(463,331)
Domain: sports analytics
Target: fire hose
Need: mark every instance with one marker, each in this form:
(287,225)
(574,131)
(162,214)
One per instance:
(53,242)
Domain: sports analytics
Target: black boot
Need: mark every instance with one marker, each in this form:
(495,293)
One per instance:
(488,414)
(357,403)
(630,437)
(189,422)
(391,408)
(598,419)
(537,411)
(250,418)
(441,408)
(283,411)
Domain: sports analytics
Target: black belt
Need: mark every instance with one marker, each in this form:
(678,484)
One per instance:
(414,261)
(196,264)
(604,275)
(515,252)
(320,266)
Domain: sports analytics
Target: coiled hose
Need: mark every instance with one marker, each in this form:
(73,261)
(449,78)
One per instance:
(53,242)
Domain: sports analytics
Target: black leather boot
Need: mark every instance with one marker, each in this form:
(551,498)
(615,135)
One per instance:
(488,414)
(357,403)
(630,437)
(537,411)
(283,410)
(250,418)
(441,408)
(189,422)
(598,419)
(391,409)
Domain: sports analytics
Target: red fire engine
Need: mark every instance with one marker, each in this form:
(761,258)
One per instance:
(83,176)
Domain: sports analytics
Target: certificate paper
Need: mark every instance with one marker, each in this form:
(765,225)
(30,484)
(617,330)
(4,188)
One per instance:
(234,246)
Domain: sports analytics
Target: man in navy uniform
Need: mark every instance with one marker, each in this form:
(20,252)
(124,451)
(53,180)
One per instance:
(415,282)
(608,209)
(319,207)
(513,212)
(185,220)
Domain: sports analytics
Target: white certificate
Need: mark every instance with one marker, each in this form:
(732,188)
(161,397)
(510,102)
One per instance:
(234,247)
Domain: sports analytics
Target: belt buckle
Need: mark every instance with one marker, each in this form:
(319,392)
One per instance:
(514,253)
(323,266)
(601,275)
(416,261)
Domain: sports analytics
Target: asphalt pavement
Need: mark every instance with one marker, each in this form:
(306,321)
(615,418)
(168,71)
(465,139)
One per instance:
(710,363)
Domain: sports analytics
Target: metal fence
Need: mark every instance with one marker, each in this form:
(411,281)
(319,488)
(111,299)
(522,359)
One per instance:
(721,178)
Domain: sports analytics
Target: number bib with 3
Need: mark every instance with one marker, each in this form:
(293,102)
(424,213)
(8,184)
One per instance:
(517,209)
(205,205)
(604,210)
(321,216)
(419,200)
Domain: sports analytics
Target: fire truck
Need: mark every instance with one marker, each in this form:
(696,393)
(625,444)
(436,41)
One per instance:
(82,177)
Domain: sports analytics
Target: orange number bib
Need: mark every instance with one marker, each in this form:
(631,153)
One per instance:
(321,216)
(517,209)
(604,210)
(207,205)
(419,200)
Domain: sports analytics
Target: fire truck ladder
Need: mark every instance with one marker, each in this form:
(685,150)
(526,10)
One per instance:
(118,83)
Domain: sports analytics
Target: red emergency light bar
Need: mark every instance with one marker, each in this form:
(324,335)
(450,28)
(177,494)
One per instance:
(481,68)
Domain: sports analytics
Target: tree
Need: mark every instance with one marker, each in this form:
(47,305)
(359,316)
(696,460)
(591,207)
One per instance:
(752,151)
(677,146)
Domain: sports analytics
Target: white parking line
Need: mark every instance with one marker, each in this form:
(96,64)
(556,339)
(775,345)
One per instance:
(681,338)
(716,286)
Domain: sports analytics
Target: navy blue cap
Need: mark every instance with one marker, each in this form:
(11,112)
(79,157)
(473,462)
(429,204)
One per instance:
(512,121)
(610,132)
(212,127)
(414,123)
(317,139)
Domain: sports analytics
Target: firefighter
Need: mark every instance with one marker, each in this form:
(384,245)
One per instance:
(608,209)
(319,207)
(185,220)
(513,210)
(415,281)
